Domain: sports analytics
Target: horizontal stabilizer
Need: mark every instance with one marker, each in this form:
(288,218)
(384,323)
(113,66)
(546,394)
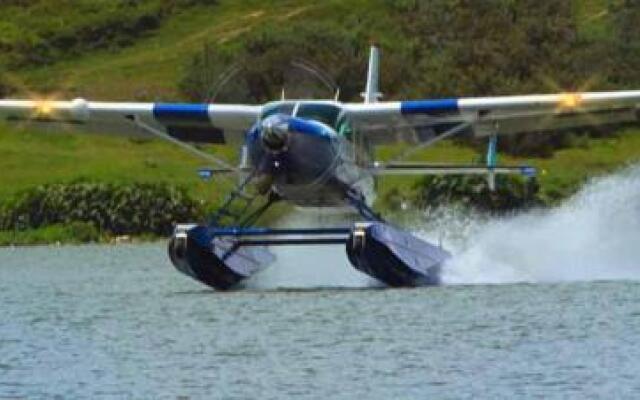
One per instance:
(449,169)
(208,173)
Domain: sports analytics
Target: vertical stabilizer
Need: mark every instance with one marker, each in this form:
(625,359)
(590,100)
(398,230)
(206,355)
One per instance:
(372,90)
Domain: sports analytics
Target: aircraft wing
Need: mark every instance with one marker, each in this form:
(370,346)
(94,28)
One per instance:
(421,120)
(208,123)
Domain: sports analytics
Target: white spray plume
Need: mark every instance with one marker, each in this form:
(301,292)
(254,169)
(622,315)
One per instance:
(595,235)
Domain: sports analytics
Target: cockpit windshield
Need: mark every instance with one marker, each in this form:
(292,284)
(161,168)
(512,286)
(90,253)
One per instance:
(278,108)
(325,113)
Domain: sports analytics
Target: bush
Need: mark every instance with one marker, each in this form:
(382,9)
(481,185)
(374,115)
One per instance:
(115,209)
(512,192)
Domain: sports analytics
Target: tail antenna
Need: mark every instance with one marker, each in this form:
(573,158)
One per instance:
(372,93)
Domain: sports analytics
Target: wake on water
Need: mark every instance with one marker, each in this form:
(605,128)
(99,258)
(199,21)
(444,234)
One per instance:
(595,235)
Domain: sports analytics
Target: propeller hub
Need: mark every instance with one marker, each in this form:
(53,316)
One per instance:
(275,133)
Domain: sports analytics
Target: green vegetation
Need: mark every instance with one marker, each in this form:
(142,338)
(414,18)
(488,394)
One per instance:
(435,48)
(178,50)
(114,209)
(37,32)
(512,193)
(31,157)
(90,212)
(75,232)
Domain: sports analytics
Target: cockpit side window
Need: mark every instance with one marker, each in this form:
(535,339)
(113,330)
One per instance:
(325,113)
(344,128)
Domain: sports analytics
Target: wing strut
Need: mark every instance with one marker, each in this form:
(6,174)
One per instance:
(447,134)
(491,169)
(226,167)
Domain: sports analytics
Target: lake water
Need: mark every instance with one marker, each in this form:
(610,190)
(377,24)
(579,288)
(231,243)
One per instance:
(119,322)
(540,305)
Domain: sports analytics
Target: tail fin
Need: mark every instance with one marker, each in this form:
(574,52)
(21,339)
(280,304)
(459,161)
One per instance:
(372,93)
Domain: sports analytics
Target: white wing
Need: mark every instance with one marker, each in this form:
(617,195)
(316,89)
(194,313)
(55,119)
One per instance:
(211,123)
(384,121)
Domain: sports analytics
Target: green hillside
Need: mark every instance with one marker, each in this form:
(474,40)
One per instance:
(152,50)
(153,65)
(149,61)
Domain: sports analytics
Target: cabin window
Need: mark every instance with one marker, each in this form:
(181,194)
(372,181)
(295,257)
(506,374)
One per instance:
(325,113)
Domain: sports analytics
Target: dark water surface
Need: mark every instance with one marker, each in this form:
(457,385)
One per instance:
(119,322)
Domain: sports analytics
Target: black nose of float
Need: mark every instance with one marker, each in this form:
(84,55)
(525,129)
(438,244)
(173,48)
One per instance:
(215,261)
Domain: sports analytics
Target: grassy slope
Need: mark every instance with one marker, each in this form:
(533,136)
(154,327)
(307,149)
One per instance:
(150,70)
(152,67)
(30,158)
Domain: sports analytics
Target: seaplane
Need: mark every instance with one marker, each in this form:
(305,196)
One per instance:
(321,154)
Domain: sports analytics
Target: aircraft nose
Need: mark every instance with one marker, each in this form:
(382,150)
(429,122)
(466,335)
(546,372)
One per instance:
(275,133)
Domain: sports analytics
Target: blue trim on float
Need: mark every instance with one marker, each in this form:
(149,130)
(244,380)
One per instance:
(429,106)
(181,112)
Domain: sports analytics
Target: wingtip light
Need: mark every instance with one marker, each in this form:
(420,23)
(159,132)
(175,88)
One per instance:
(44,105)
(43,108)
(570,100)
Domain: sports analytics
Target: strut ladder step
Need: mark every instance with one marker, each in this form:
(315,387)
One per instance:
(238,197)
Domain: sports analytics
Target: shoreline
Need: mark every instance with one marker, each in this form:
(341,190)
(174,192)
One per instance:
(38,238)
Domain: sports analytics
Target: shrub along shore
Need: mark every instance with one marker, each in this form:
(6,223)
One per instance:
(95,212)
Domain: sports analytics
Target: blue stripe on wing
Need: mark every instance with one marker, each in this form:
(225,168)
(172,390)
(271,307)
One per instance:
(429,107)
(181,113)
(188,122)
